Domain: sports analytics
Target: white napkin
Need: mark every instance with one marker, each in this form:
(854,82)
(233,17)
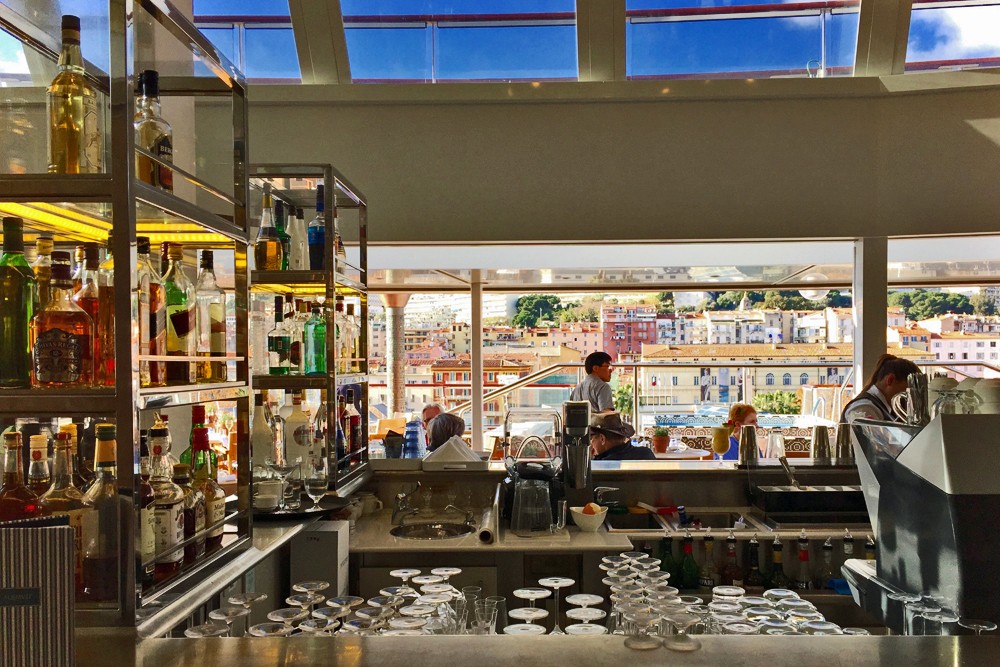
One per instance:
(454,449)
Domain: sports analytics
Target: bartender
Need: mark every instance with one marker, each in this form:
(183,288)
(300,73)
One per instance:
(611,440)
(874,401)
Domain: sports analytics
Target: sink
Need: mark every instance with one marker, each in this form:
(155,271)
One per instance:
(635,523)
(431,531)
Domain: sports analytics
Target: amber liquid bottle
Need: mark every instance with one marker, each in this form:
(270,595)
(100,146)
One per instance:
(88,298)
(267,251)
(76,137)
(193,508)
(181,318)
(104,352)
(42,266)
(152,317)
(16,500)
(39,475)
(145,535)
(100,552)
(62,352)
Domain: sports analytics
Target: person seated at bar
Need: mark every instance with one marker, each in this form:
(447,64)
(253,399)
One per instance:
(611,440)
(874,401)
(595,387)
(740,415)
(430,411)
(444,427)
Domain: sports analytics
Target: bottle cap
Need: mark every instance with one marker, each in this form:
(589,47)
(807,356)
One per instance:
(319,198)
(158,432)
(181,470)
(13,234)
(200,441)
(143,443)
(142,245)
(37,442)
(105,431)
(298,212)
(91,255)
(78,254)
(12,439)
(198,414)
(44,245)
(104,451)
(70,22)
(258,398)
(149,83)
(207,259)
(175,252)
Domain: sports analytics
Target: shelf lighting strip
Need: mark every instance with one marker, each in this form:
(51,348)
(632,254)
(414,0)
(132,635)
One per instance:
(58,219)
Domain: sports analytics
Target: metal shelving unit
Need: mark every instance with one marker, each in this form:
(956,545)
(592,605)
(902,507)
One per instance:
(115,205)
(295,185)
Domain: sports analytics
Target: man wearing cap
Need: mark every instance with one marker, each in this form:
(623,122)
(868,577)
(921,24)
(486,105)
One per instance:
(611,440)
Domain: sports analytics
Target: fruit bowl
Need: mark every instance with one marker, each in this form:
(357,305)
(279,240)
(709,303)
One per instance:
(588,523)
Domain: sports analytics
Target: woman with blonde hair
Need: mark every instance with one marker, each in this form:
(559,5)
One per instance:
(740,415)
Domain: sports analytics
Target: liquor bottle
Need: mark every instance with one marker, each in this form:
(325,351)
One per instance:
(870,549)
(168,513)
(193,510)
(42,266)
(152,317)
(39,476)
(198,420)
(824,572)
(351,339)
(17,303)
(340,461)
(152,134)
(353,420)
(777,577)
(267,251)
(341,332)
(298,259)
(78,256)
(708,576)
(181,318)
(64,498)
(164,257)
(338,240)
(754,581)
(689,566)
(81,478)
(203,481)
(76,138)
(848,544)
(298,435)
(261,436)
(315,343)
(731,573)
(803,577)
(89,299)
(296,325)
(16,500)
(145,535)
(100,559)
(317,235)
(280,226)
(279,342)
(104,364)
(62,354)
(211,318)
(668,563)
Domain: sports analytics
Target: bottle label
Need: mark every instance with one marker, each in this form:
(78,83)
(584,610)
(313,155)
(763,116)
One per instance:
(157,329)
(200,514)
(169,522)
(93,136)
(84,525)
(58,356)
(216,512)
(146,543)
(217,332)
(705,581)
(163,148)
(145,320)
(180,320)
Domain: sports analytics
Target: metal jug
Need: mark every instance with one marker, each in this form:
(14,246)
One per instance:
(749,451)
(821,444)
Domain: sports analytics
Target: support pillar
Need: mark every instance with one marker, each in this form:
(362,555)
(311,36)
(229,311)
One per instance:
(869,288)
(476,354)
(395,352)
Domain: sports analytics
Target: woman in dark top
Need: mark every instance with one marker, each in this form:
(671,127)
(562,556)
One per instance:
(610,440)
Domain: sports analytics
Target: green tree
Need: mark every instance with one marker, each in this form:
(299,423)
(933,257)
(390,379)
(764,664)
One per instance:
(921,304)
(788,300)
(837,300)
(778,402)
(622,399)
(534,307)
(665,302)
(982,304)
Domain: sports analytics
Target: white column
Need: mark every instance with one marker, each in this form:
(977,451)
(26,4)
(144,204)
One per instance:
(476,370)
(870,302)
(395,356)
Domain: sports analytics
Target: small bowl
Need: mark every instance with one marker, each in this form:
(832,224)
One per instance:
(588,523)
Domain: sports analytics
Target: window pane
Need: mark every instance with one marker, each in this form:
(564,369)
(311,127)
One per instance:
(270,54)
(389,54)
(953,37)
(13,64)
(224,39)
(241,7)
(509,52)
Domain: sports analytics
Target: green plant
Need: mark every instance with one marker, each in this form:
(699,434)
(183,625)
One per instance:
(622,399)
(661,432)
(778,402)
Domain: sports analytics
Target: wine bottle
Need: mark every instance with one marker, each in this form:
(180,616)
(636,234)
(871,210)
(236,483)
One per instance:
(754,581)
(803,578)
(17,303)
(152,134)
(267,251)
(317,235)
(689,566)
(286,240)
(777,577)
(76,136)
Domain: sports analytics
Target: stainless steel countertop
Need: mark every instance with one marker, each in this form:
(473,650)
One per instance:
(564,650)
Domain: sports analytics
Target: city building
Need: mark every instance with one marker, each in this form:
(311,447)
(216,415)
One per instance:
(627,327)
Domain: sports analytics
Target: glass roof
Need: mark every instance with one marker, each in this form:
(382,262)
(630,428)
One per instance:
(946,36)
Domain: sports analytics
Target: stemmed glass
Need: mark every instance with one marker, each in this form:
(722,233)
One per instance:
(977,626)
(207,630)
(317,480)
(642,620)
(283,468)
(318,627)
(446,573)
(331,614)
(524,629)
(556,583)
(528,614)
(288,615)
(247,600)
(305,601)
(310,586)
(270,630)
(586,616)
(532,594)
(228,615)
(681,641)
(405,574)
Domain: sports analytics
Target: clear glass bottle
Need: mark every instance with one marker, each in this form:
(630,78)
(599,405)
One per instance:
(203,480)
(314,337)
(145,535)
(342,334)
(732,575)
(777,577)
(280,225)
(168,513)
(181,318)
(194,514)
(76,136)
(848,543)
(298,435)
(42,266)
(152,317)
(340,252)
(211,306)
(100,560)
(267,252)
(708,576)
(89,299)
(296,325)
(261,435)
(39,475)
(152,134)
(298,259)
(17,307)
(16,499)
(824,571)
(279,342)
(317,235)
(64,498)
(104,364)
(351,336)
(62,354)
(804,576)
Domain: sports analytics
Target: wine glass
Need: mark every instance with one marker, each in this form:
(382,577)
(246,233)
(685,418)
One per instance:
(228,615)
(207,630)
(681,641)
(349,601)
(283,468)
(556,583)
(977,626)
(317,479)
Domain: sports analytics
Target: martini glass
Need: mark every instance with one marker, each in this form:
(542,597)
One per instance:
(331,614)
(681,641)
(311,586)
(305,600)
(318,627)
(207,630)
(405,574)
(446,572)
(350,601)
(615,561)
(289,616)
(977,626)
(270,630)
(228,615)
(642,620)
(360,626)
(404,591)
(247,599)
(391,601)
(632,556)
(283,468)
(556,583)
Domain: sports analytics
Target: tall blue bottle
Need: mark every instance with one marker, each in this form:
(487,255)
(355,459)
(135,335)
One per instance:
(317,235)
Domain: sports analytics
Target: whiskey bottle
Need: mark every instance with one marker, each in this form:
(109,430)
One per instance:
(152,134)
(16,500)
(152,317)
(100,560)
(62,352)
(76,137)
(314,337)
(193,511)
(267,251)
(198,421)
(299,259)
(279,342)
(708,576)
(286,240)
(181,318)
(215,497)
(145,532)
(732,575)
(317,235)
(64,498)
(104,359)
(211,317)
(78,256)
(42,266)
(17,303)
(82,474)
(39,475)
(168,512)
(88,298)
(777,577)
(753,582)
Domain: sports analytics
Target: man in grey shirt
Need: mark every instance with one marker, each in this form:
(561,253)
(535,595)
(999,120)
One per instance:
(595,387)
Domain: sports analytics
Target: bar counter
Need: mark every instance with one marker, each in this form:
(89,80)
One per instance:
(95,650)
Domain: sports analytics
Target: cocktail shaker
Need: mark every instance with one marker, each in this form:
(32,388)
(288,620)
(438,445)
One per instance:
(845,449)
(749,452)
(821,443)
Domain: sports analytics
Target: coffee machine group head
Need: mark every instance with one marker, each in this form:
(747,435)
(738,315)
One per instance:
(578,486)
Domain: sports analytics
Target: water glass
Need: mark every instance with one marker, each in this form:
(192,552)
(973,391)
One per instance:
(500,603)
(486,618)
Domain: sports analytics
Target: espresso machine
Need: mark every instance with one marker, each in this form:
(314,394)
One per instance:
(932,494)
(578,486)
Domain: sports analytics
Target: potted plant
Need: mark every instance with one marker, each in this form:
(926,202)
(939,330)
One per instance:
(661,439)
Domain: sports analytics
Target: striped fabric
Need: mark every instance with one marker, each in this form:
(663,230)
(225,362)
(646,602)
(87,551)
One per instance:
(36,597)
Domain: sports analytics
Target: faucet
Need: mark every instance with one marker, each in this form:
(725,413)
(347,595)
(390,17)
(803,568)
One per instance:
(470,516)
(402,507)
(600,492)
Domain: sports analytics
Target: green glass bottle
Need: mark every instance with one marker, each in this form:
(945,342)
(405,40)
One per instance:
(315,340)
(689,566)
(286,240)
(17,305)
(667,561)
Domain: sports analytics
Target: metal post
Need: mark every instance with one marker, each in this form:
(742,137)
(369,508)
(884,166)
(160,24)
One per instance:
(395,355)
(477,361)
(870,302)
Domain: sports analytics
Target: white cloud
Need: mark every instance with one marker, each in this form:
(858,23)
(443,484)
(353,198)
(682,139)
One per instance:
(12,60)
(963,32)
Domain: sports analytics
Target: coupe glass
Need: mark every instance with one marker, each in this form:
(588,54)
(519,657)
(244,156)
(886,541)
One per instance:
(247,599)
(317,479)
(270,630)
(642,621)
(632,556)
(530,594)
(360,626)
(681,641)
(350,601)
(727,593)
(857,632)
(556,583)
(392,601)
(318,627)
(758,614)
(425,579)
(310,586)
(913,616)
(446,572)
(331,614)
(820,628)
(739,628)
(615,561)
(586,629)
(584,600)
(207,630)
(434,599)
(288,615)
(529,614)
(767,625)
(776,595)
(524,629)
(418,610)
(977,626)
(228,615)
(940,622)
(405,574)
(586,614)
(407,623)
(305,600)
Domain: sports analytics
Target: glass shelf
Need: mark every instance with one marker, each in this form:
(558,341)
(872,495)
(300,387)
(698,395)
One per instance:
(305,381)
(61,402)
(151,398)
(307,282)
